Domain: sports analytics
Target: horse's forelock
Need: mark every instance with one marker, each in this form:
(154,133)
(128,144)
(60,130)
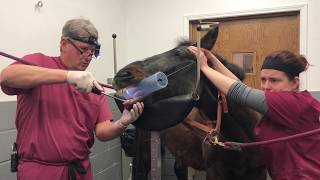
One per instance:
(184,42)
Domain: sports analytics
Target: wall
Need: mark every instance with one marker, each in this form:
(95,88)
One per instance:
(26,29)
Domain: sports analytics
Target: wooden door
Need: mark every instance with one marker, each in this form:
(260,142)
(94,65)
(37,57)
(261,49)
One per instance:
(247,40)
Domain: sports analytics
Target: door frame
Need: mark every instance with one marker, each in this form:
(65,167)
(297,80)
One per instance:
(303,39)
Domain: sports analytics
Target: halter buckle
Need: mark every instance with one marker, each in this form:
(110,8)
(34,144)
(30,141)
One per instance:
(216,142)
(213,139)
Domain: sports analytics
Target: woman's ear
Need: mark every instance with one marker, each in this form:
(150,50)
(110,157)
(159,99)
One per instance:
(296,83)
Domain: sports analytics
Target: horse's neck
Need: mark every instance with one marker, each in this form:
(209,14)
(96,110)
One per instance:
(208,102)
(197,115)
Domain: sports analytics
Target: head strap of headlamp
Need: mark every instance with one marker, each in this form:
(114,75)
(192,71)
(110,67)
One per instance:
(89,40)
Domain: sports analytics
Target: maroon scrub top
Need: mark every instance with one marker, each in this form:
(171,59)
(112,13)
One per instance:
(55,124)
(291,113)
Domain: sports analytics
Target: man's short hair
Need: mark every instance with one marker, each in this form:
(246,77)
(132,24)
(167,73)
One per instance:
(80,29)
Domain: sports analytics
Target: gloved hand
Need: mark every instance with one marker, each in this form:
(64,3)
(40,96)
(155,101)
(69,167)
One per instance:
(83,80)
(129,116)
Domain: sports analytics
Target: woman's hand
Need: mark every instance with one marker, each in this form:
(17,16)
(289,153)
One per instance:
(202,56)
(210,55)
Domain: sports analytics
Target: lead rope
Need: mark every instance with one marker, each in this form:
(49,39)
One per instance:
(238,146)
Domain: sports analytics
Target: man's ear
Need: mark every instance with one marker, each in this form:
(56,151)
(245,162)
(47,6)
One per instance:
(63,43)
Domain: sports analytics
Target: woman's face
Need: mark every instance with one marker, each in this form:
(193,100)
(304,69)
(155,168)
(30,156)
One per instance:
(274,81)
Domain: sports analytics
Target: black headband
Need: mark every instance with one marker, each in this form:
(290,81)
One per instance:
(280,66)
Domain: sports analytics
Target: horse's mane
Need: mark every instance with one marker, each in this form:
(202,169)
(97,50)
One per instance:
(184,42)
(232,67)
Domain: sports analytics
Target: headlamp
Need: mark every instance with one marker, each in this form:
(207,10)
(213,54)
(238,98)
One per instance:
(89,40)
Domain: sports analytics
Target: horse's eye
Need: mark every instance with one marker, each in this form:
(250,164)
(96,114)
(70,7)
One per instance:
(123,74)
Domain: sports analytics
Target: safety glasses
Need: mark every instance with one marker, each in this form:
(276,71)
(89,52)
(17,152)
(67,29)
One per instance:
(85,51)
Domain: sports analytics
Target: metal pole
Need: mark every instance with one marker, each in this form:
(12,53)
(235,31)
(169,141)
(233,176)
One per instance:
(114,36)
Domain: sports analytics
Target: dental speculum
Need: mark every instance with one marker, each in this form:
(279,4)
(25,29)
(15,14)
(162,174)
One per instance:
(145,87)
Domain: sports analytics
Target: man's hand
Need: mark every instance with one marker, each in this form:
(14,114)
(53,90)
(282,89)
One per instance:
(84,81)
(129,116)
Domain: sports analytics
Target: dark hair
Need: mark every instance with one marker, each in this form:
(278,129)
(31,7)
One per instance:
(290,63)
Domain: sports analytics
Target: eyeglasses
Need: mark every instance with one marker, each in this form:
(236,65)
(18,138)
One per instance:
(89,40)
(83,51)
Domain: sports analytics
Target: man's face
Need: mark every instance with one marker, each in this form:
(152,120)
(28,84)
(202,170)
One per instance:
(76,55)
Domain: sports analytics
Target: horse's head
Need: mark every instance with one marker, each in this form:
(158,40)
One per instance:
(169,106)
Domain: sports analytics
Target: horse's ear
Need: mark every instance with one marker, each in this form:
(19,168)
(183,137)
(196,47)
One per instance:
(208,40)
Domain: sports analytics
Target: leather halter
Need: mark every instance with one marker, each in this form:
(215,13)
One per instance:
(209,134)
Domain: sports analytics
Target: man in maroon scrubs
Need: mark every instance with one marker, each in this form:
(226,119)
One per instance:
(57,116)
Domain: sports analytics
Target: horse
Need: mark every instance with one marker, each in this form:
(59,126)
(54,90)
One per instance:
(189,95)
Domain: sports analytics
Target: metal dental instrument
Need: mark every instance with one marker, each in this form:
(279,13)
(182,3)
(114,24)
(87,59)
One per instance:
(114,97)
